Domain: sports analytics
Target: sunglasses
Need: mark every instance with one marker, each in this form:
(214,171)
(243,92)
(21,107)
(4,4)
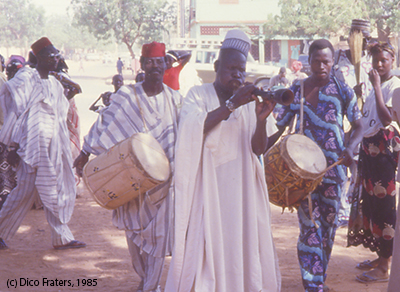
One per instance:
(56,55)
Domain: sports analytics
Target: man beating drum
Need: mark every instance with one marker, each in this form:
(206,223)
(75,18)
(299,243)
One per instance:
(327,101)
(149,107)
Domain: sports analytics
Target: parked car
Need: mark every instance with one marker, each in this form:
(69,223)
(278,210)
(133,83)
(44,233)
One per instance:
(203,61)
(306,66)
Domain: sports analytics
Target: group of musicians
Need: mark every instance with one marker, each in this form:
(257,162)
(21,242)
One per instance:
(213,215)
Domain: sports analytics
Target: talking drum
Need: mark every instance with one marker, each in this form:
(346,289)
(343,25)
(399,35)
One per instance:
(293,168)
(128,169)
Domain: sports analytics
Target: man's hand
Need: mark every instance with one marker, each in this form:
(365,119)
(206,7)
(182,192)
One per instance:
(358,89)
(12,156)
(80,162)
(263,109)
(243,95)
(347,157)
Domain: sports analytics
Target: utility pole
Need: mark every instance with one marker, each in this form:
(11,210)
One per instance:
(181,18)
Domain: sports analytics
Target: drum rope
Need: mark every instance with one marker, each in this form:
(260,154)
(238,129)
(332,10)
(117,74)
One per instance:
(280,182)
(287,196)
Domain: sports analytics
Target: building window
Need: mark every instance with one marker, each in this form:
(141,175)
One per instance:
(228,1)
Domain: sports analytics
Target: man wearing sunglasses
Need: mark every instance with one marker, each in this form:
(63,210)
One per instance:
(36,133)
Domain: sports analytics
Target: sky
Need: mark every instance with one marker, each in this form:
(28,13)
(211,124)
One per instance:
(60,6)
(53,6)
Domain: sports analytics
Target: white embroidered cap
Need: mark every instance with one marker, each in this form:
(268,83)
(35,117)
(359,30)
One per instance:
(237,40)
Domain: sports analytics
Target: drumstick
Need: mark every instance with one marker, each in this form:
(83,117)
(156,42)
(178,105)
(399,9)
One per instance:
(332,166)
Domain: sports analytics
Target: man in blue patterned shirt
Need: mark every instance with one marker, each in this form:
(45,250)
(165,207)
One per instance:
(326,102)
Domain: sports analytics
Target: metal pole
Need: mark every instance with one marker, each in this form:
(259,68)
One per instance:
(181,19)
(261,46)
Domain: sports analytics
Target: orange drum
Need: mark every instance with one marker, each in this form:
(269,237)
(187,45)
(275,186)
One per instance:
(128,169)
(294,167)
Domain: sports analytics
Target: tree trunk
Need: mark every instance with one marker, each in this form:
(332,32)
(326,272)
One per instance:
(383,32)
(131,51)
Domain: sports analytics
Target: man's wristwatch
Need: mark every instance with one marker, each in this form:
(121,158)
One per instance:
(13,147)
(230,105)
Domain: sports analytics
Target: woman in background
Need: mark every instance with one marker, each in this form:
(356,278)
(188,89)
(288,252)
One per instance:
(377,167)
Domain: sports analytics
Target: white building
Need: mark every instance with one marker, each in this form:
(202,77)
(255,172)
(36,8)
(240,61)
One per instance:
(211,19)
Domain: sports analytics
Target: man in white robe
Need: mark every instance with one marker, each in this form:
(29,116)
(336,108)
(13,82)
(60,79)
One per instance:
(35,130)
(150,107)
(223,238)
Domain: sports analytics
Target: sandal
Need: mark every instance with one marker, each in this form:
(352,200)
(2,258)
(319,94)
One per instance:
(72,244)
(3,245)
(365,278)
(365,265)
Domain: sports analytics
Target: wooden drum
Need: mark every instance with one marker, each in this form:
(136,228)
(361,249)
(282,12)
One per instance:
(293,168)
(128,169)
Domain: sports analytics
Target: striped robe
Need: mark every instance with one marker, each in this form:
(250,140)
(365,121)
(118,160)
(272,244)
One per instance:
(35,118)
(3,80)
(120,121)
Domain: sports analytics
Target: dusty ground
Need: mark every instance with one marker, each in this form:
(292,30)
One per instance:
(105,260)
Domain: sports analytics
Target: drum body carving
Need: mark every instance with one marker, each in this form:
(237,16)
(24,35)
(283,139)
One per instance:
(294,167)
(128,169)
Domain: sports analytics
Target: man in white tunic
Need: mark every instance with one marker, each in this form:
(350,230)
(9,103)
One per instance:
(35,130)
(223,239)
(150,107)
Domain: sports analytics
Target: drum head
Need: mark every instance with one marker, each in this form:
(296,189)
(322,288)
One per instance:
(151,156)
(305,153)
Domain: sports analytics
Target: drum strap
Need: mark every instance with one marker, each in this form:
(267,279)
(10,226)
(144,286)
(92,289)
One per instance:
(140,109)
(141,219)
(301,106)
(168,101)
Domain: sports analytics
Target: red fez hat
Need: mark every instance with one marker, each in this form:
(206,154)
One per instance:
(40,44)
(153,49)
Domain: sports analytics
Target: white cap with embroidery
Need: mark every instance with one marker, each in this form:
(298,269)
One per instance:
(237,40)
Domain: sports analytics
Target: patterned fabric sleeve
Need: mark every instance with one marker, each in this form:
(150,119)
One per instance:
(351,109)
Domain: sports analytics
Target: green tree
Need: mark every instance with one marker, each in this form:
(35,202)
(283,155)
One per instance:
(21,23)
(309,18)
(125,21)
(66,36)
(385,15)
(324,18)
